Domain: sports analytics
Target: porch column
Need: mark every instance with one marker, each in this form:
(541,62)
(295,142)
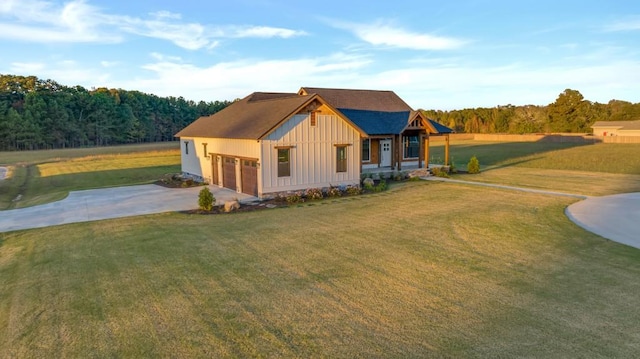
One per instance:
(446,150)
(399,153)
(426,152)
(420,150)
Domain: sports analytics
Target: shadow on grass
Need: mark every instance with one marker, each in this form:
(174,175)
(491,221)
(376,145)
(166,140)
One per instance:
(499,153)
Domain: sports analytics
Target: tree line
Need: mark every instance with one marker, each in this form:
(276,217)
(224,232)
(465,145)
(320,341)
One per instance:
(569,113)
(42,114)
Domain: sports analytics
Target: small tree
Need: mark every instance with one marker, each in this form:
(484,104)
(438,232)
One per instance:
(206,199)
(474,165)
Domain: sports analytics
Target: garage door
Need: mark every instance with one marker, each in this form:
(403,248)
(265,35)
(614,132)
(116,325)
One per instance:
(250,177)
(229,173)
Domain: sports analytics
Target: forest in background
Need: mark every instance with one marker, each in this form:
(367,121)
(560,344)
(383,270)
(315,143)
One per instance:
(42,114)
(571,112)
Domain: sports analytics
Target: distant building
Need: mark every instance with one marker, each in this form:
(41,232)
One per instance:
(616,128)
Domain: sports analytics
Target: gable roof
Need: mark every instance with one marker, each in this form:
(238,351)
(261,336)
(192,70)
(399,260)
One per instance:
(623,125)
(371,100)
(253,117)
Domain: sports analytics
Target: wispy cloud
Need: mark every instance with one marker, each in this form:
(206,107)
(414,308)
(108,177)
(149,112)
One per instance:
(265,32)
(387,35)
(629,24)
(239,78)
(43,21)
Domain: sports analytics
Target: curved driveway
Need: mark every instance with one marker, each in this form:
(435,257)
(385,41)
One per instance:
(97,204)
(615,217)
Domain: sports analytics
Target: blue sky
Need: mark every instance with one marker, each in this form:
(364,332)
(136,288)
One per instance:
(434,54)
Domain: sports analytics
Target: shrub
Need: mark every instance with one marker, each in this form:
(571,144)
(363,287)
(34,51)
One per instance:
(313,194)
(293,198)
(368,186)
(353,190)
(334,192)
(474,165)
(397,176)
(453,168)
(206,199)
(440,172)
(380,186)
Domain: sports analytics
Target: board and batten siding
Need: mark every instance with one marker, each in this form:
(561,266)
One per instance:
(196,162)
(312,153)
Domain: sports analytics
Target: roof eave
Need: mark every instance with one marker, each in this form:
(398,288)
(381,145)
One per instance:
(297,109)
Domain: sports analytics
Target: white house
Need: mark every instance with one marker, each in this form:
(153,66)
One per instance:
(268,143)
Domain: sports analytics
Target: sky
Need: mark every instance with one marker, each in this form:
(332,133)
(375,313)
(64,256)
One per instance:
(441,55)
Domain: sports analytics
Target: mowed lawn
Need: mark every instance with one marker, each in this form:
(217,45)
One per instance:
(423,270)
(591,169)
(39,177)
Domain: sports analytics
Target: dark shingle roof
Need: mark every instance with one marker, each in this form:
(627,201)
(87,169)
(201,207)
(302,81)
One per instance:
(386,101)
(250,118)
(378,122)
(440,127)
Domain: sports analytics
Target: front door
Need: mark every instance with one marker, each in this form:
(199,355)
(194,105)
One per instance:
(385,153)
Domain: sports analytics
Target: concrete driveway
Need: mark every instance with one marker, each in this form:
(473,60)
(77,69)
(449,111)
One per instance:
(615,217)
(97,204)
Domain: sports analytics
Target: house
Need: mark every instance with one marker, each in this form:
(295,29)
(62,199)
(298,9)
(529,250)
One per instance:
(616,128)
(397,135)
(268,143)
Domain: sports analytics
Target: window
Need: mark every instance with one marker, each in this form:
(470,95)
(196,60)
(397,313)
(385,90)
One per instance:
(186,147)
(284,167)
(312,118)
(366,150)
(341,158)
(411,146)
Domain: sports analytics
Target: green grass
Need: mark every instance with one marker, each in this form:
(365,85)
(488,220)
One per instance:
(423,270)
(42,156)
(601,157)
(44,176)
(593,170)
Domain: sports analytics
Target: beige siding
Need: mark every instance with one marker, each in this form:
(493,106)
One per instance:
(198,163)
(189,157)
(313,153)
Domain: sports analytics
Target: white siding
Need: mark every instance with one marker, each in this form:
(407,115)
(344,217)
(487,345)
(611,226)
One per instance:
(313,154)
(198,163)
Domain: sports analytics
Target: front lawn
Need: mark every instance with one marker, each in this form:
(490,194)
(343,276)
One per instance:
(422,270)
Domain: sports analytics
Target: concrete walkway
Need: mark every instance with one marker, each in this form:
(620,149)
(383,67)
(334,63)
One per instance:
(615,217)
(98,204)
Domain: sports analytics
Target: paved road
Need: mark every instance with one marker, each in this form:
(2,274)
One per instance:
(97,204)
(615,217)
